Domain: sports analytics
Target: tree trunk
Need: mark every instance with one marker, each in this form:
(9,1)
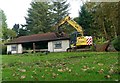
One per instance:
(106,36)
(115,32)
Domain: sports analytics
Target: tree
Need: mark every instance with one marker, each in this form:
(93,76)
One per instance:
(60,11)
(42,16)
(6,33)
(11,34)
(38,19)
(23,32)
(85,20)
(105,19)
(16,28)
(3,23)
(20,30)
(0,26)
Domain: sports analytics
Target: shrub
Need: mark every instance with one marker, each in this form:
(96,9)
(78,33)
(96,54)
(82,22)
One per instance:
(99,40)
(116,43)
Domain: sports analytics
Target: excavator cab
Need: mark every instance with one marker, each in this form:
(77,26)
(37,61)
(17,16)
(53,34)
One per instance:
(76,39)
(73,37)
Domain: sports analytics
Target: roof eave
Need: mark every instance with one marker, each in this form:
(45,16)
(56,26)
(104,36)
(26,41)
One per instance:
(9,43)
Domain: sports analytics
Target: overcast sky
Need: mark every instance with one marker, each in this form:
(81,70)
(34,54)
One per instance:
(16,10)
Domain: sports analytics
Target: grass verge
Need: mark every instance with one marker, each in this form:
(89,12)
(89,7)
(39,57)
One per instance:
(71,66)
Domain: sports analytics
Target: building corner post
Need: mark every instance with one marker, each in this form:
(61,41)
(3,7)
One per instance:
(33,47)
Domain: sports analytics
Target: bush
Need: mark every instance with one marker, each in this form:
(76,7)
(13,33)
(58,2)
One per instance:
(4,49)
(99,40)
(116,43)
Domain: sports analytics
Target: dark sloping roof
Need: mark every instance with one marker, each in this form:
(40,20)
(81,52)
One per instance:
(50,36)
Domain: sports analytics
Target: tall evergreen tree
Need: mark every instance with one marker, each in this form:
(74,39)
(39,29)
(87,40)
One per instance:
(38,19)
(60,10)
(85,20)
(4,24)
(42,16)
(1,25)
(5,33)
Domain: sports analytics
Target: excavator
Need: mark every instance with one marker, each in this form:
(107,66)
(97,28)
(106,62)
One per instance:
(78,40)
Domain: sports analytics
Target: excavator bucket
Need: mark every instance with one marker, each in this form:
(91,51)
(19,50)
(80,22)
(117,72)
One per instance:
(102,47)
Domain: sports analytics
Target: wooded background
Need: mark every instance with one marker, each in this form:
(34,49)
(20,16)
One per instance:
(99,20)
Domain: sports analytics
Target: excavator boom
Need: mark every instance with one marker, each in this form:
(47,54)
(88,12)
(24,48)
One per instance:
(76,26)
(72,23)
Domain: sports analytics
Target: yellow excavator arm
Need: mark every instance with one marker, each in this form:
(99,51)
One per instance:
(76,26)
(72,23)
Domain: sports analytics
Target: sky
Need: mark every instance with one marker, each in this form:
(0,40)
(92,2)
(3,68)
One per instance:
(16,10)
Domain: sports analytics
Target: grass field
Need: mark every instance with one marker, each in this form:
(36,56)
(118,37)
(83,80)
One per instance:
(72,66)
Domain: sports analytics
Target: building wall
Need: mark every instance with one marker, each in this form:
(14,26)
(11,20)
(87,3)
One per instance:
(17,48)
(50,46)
(64,46)
(20,49)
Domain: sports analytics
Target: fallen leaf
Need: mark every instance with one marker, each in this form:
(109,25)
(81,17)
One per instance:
(60,70)
(107,76)
(31,76)
(93,68)
(100,64)
(23,76)
(22,70)
(69,70)
(54,75)
(116,80)
(111,71)
(14,74)
(101,71)
(43,76)
(34,72)
(84,69)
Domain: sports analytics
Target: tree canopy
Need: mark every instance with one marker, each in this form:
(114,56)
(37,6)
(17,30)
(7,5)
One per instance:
(3,23)
(43,15)
(6,32)
(38,19)
(85,20)
(101,19)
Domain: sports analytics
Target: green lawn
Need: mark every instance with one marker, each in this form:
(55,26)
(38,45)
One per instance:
(72,66)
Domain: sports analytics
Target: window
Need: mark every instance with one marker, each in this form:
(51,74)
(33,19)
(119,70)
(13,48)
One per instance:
(14,47)
(58,45)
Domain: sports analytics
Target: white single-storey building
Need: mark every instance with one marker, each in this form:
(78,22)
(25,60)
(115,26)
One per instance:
(39,42)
